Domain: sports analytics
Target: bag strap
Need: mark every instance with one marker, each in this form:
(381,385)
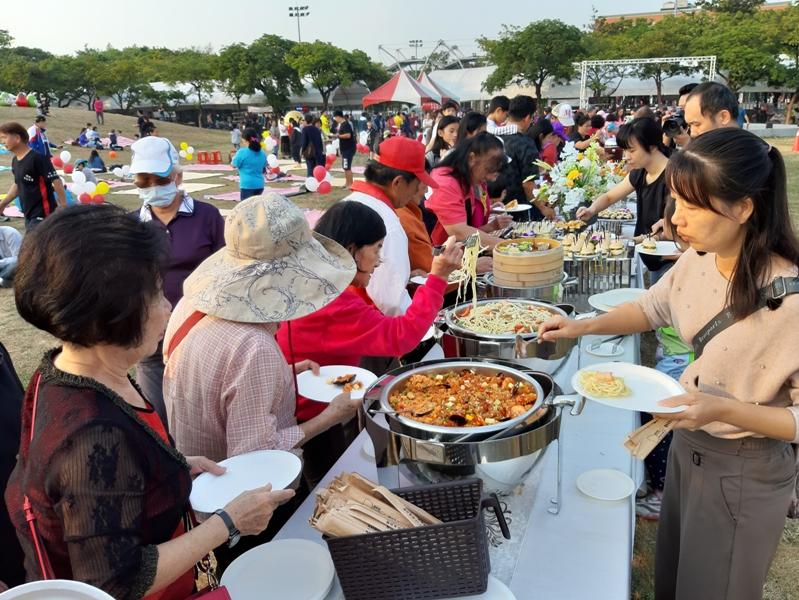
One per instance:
(768,296)
(41,553)
(183,331)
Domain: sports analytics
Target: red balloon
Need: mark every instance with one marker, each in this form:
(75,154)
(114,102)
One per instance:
(57,162)
(275,170)
(112,154)
(98,199)
(324,188)
(85,198)
(330,158)
(319,173)
(68,168)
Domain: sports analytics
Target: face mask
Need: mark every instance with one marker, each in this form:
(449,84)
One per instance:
(159,195)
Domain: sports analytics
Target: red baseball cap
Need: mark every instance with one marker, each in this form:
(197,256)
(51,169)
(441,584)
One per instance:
(405,154)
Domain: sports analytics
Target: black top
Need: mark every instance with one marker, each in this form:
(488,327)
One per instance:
(523,152)
(348,144)
(650,201)
(34,175)
(576,137)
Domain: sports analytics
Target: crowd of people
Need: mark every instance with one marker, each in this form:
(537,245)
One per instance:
(217,317)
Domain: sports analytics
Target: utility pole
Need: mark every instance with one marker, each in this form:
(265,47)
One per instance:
(299,11)
(416,44)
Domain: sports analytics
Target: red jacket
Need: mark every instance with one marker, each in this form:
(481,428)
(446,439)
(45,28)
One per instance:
(350,328)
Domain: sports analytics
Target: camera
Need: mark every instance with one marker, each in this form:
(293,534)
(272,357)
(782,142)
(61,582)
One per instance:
(675,125)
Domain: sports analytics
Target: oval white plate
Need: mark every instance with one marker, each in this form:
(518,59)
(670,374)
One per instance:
(286,569)
(647,387)
(55,589)
(605,484)
(244,472)
(664,248)
(607,301)
(496,590)
(608,349)
(418,280)
(316,387)
(519,208)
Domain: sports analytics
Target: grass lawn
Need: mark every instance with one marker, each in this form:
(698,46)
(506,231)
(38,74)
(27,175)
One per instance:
(27,344)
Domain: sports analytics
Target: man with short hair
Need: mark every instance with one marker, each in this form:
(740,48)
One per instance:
(346,144)
(683,92)
(710,106)
(520,173)
(396,177)
(35,179)
(497,113)
(37,139)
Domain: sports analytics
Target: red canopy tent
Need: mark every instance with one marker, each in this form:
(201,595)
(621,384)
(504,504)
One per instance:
(401,88)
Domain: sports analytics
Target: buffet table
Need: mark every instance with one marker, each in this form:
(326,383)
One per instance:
(585,551)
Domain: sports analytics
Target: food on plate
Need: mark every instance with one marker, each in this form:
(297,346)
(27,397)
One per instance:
(471,253)
(617,214)
(463,399)
(603,385)
(588,249)
(616,247)
(574,225)
(543,227)
(649,243)
(342,379)
(522,246)
(503,317)
(511,204)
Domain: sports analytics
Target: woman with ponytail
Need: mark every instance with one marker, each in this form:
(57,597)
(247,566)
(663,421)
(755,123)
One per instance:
(734,296)
(251,163)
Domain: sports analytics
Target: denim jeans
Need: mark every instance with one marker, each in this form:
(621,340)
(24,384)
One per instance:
(247,192)
(7,268)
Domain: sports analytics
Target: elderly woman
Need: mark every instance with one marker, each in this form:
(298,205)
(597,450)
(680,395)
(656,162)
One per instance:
(107,489)
(194,230)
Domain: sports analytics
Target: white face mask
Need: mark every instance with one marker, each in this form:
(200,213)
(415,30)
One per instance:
(159,195)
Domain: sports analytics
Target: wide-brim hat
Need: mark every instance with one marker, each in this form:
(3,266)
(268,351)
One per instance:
(273,268)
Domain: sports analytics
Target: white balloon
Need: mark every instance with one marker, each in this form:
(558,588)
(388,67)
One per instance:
(183,153)
(270,143)
(311,184)
(272,161)
(77,188)
(190,150)
(66,156)
(329,149)
(335,145)
(78,176)
(125,170)
(329,177)
(89,187)
(118,172)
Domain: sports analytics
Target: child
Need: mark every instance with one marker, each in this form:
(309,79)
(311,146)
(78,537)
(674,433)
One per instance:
(113,143)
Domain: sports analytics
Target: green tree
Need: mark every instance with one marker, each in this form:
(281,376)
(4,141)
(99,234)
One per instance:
(236,72)
(364,69)
(5,38)
(783,29)
(325,65)
(544,49)
(731,6)
(606,41)
(196,68)
(274,78)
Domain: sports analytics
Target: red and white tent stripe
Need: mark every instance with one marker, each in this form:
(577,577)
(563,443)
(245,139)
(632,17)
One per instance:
(402,88)
(445,94)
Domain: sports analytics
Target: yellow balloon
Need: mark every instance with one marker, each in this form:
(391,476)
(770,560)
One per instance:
(183,145)
(266,134)
(102,188)
(189,156)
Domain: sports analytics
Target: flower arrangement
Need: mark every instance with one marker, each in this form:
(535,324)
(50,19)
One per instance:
(578,178)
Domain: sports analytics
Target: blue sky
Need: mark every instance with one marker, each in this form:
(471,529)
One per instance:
(62,26)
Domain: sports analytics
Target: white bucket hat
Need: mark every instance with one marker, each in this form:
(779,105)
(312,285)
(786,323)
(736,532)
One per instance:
(155,155)
(273,268)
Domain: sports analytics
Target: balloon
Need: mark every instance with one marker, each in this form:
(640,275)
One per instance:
(85,198)
(182,153)
(103,188)
(270,144)
(272,161)
(189,156)
(90,187)
(57,162)
(263,146)
(118,172)
(329,149)
(22,100)
(32,100)
(66,156)
(329,177)
(190,150)
(311,184)
(319,172)
(331,158)
(125,170)
(78,177)
(325,187)
(275,170)
(98,199)
(112,154)
(183,145)
(68,168)
(76,188)
(265,134)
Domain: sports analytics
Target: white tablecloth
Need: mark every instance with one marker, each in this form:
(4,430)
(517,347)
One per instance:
(586,550)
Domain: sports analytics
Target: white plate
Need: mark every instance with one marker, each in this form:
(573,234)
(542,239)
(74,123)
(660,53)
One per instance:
(608,349)
(244,472)
(647,387)
(316,387)
(55,589)
(664,248)
(605,484)
(418,280)
(519,208)
(496,590)
(286,569)
(607,301)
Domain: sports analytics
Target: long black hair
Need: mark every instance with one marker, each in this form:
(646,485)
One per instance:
(731,165)
(351,223)
(458,158)
(439,145)
(251,135)
(470,123)
(644,130)
(542,128)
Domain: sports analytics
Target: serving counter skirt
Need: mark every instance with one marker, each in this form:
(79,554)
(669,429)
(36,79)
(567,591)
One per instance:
(722,516)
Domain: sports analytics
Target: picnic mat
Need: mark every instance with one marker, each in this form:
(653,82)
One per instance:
(199,167)
(191,176)
(355,169)
(13,212)
(278,180)
(189,188)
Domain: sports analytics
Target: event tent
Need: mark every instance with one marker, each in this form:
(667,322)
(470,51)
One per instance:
(402,88)
(445,94)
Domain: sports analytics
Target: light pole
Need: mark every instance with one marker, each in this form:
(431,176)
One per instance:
(415,44)
(299,11)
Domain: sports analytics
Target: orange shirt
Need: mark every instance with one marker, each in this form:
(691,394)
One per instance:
(420,248)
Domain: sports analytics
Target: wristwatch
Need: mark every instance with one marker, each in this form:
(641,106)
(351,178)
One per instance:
(234,535)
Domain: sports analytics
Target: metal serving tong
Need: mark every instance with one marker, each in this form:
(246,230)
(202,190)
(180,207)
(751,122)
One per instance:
(470,242)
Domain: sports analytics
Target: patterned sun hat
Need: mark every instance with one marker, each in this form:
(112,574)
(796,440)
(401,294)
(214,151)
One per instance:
(273,268)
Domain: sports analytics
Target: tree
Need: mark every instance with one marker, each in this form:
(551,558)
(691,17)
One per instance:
(541,50)
(326,65)
(606,41)
(783,29)
(274,78)
(5,38)
(731,6)
(236,72)
(196,68)
(371,73)
(126,74)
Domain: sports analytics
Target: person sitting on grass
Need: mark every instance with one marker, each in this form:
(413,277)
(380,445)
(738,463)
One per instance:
(96,163)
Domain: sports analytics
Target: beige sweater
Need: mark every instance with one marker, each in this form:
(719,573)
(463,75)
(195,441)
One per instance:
(755,360)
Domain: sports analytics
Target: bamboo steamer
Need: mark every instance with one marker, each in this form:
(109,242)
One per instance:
(533,269)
